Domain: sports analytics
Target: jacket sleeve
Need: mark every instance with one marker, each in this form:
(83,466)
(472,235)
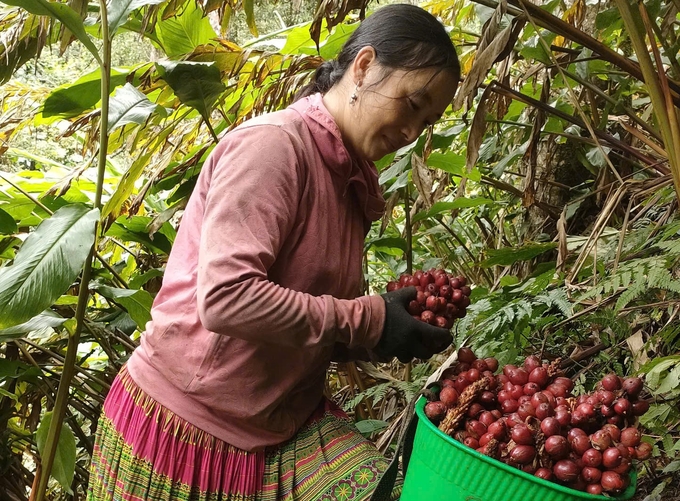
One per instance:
(250,208)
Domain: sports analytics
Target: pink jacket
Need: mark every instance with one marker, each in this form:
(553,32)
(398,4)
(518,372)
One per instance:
(262,280)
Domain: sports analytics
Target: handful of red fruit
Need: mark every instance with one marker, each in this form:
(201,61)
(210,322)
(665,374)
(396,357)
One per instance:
(441,297)
(527,417)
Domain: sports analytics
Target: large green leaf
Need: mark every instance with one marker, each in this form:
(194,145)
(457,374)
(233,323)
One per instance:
(510,255)
(181,34)
(72,99)
(61,12)
(137,302)
(64,465)
(119,10)
(195,84)
(330,48)
(47,264)
(45,319)
(299,41)
(128,105)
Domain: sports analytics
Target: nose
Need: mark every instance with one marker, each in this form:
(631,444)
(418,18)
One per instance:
(411,132)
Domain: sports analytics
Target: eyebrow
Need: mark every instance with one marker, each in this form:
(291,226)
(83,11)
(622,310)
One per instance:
(422,93)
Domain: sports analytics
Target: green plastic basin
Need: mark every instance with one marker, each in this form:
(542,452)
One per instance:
(443,469)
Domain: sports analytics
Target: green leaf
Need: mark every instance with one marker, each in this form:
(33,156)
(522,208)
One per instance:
(607,17)
(126,183)
(47,264)
(45,319)
(368,426)
(250,16)
(5,393)
(509,159)
(460,203)
(387,242)
(64,466)
(195,84)
(64,14)
(671,381)
(535,53)
(510,255)
(72,99)
(125,186)
(452,163)
(138,281)
(299,41)
(331,47)
(396,169)
(127,106)
(119,10)
(180,35)
(136,302)
(672,467)
(8,225)
(134,229)
(509,280)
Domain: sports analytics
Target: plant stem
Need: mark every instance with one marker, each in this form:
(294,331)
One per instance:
(61,403)
(408,230)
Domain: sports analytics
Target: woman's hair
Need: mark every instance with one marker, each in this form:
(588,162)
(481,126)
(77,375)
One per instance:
(403,36)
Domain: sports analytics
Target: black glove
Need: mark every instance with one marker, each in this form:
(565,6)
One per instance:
(405,337)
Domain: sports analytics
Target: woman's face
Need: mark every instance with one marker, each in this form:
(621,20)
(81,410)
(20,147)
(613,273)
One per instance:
(393,108)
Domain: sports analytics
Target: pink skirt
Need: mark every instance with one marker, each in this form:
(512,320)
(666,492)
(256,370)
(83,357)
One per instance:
(143,451)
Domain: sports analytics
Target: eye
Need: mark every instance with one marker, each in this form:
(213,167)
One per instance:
(412,104)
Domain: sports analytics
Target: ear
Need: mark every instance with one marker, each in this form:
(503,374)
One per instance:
(364,62)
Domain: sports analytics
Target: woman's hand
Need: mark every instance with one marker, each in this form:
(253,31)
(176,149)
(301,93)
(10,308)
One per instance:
(405,337)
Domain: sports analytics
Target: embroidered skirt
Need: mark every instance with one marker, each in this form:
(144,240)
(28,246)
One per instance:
(143,451)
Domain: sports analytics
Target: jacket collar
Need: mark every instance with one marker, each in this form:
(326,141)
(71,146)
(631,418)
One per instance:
(360,176)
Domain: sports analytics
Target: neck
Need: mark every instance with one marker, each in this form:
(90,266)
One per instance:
(336,101)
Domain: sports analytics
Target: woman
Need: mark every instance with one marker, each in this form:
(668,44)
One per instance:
(224,397)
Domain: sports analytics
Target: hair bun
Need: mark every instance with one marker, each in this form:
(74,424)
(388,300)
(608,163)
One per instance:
(326,75)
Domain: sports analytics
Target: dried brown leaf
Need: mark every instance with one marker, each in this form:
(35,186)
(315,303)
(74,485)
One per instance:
(562,250)
(422,178)
(475,137)
(484,60)
(334,11)
(391,204)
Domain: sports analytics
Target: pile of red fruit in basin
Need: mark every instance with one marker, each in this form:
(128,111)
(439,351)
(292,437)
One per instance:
(441,297)
(527,417)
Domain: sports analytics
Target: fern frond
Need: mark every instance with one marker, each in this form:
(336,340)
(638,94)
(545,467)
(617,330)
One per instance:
(671,248)
(626,277)
(633,292)
(671,335)
(661,278)
(558,298)
(376,392)
(608,319)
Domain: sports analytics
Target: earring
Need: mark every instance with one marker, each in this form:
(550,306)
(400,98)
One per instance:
(353,97)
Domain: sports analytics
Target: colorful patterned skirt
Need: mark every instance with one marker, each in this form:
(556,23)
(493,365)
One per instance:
(143,451)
